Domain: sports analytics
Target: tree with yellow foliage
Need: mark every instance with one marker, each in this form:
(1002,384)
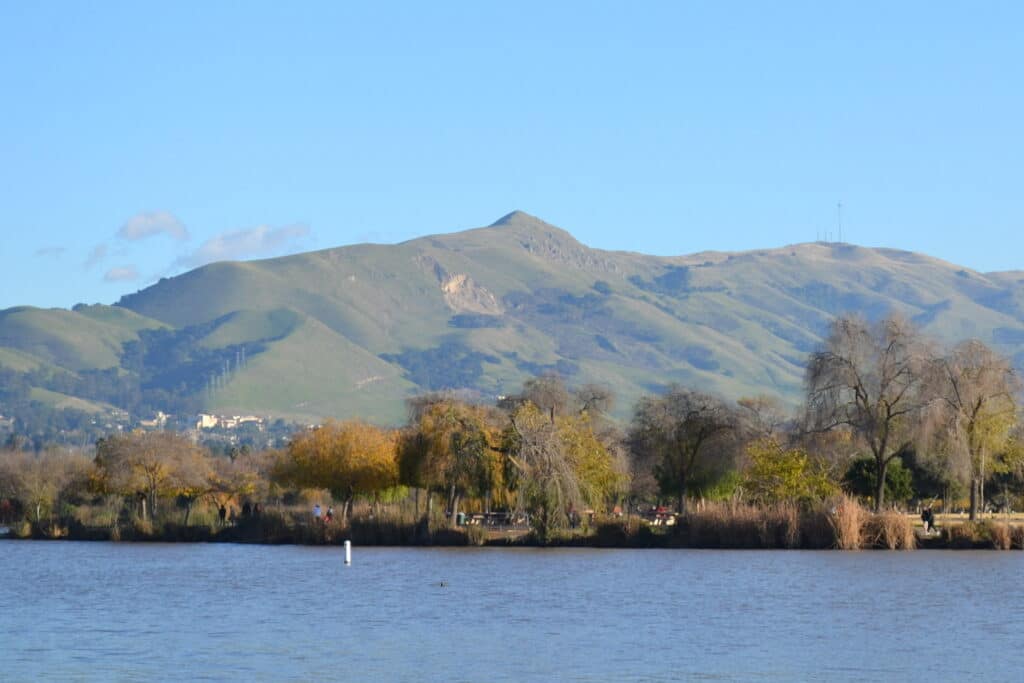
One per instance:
(559,465)
(348,459)
(776,474)
(451,449)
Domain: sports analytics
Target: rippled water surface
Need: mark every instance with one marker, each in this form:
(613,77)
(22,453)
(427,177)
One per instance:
(143,612)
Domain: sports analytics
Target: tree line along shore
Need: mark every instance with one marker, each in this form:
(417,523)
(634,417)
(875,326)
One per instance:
(890,425)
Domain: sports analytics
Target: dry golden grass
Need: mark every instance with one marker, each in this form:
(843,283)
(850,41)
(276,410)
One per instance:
(890,530)
(999,535)
(848,519)
(741,525)
(1017,537)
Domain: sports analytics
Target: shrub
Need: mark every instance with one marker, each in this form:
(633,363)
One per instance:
(862,476)
(142,527)
(476,535)
(382,531)
(175,532)
(611,534)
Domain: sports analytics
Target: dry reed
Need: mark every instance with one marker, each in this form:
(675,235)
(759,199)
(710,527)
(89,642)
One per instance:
(739,525)
(890,530)
(999,535)
(1017,537)
(847,519)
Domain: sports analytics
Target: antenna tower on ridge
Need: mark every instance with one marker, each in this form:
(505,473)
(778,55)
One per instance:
(839,219)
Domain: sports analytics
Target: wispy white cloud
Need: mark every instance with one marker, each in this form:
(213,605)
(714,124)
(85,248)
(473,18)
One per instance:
(241,244)
(150,223)
(121,274)
(46,252)
(98,253)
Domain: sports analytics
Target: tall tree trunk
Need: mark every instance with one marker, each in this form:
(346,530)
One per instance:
(451,505)
(430,506)
(455,509)
(975,497)
(142,501)
(883,465)
(188,510)
(681,503)
(416,502)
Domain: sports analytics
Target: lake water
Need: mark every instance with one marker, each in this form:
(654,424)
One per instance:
(145,612)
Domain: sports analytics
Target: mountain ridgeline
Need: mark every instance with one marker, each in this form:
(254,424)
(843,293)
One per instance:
(353,331)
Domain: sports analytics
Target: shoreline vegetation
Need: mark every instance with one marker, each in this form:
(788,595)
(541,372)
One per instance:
(889,423)
(846,525)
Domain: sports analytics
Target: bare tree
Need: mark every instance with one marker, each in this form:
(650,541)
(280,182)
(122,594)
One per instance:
(150,465)
(766,416)
(978,396)
(548,392)
(874,380)
(682,432)
(594,399)
(40,482)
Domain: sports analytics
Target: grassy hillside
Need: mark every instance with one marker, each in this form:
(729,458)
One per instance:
(314,372)
(352,331)
(88,338)
(57,400)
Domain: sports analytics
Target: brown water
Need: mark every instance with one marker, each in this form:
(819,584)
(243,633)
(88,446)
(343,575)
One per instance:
(144,612)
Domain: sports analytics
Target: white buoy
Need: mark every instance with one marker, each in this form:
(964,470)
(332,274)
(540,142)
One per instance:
(348,552)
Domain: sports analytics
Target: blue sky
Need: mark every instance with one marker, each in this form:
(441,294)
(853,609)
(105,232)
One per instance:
(139,140)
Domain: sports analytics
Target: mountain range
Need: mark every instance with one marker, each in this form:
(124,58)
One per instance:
(353,331)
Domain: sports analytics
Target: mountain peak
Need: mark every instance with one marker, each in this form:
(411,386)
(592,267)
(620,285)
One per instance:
(516,217)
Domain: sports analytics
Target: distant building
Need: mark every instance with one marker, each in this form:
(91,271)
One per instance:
(206,421)
(158,422)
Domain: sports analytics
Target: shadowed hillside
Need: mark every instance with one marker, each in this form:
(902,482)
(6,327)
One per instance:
(354,330)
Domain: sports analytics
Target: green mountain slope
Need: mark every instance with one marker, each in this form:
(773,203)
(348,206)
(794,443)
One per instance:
(90,337)
(354,330)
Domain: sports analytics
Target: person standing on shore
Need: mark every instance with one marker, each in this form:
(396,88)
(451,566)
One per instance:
(316,512)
